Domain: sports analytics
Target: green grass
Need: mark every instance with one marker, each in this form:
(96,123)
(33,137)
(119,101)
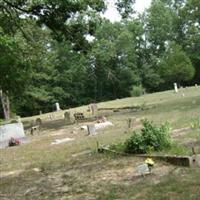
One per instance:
(103,177)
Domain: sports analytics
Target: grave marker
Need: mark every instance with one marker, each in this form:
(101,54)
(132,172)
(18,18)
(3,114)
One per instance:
(67,117)
(175,88)
(131,122)
(94,108)
(143,169)
(91,129)
(57,106)
(8,131)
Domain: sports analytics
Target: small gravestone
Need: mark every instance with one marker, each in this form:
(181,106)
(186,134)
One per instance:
(94,108)
(18,118)
(91,129)
(175,88)
(67,117)
(196,85)
(143,169)
(38,122)
(57,106)
(8,131)
(131,122)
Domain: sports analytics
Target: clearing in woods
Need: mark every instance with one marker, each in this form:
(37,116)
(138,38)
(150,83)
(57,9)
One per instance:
(73,170)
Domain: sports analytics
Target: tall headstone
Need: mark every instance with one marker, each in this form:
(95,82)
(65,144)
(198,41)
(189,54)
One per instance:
(57,106)
(175,88)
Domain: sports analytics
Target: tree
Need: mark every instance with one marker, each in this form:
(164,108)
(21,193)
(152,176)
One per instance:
(114,61)
(21,61)
(68,20)
(160,26)
(125,7)
(176,66)
(189,33)
(14,67)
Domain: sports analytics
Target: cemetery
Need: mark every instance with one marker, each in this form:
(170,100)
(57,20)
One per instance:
(64,146)
(99,100)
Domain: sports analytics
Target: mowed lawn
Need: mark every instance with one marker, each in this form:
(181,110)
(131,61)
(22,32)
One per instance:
(73,170)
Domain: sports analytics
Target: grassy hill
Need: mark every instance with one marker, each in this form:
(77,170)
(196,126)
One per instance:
(39,170)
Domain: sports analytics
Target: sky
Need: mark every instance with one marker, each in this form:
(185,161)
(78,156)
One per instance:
(113,15)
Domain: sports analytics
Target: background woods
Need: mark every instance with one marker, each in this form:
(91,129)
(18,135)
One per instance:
(66,51)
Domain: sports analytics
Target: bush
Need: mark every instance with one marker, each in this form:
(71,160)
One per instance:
(151,138)
(137,91)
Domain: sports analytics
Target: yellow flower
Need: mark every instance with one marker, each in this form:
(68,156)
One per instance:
(149,161)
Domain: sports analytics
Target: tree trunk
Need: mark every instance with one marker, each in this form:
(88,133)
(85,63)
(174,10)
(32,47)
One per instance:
(5,104)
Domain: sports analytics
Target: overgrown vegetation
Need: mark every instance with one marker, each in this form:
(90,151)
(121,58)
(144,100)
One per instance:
(150,138)
(137,91)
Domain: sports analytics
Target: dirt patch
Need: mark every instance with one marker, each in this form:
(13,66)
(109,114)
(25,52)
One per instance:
(10,173)
(180,132)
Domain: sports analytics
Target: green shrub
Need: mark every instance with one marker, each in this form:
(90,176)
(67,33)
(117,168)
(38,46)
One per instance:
(151,138)
(137,91)
(120,147)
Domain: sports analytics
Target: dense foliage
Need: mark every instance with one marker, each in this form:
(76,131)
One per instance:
(66,51)
(151,138)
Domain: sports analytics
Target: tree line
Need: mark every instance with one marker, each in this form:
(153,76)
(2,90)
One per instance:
(66,52)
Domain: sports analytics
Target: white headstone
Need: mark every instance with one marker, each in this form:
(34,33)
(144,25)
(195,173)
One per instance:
(57,106)
(8,131)
(196,85)
(175,87)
